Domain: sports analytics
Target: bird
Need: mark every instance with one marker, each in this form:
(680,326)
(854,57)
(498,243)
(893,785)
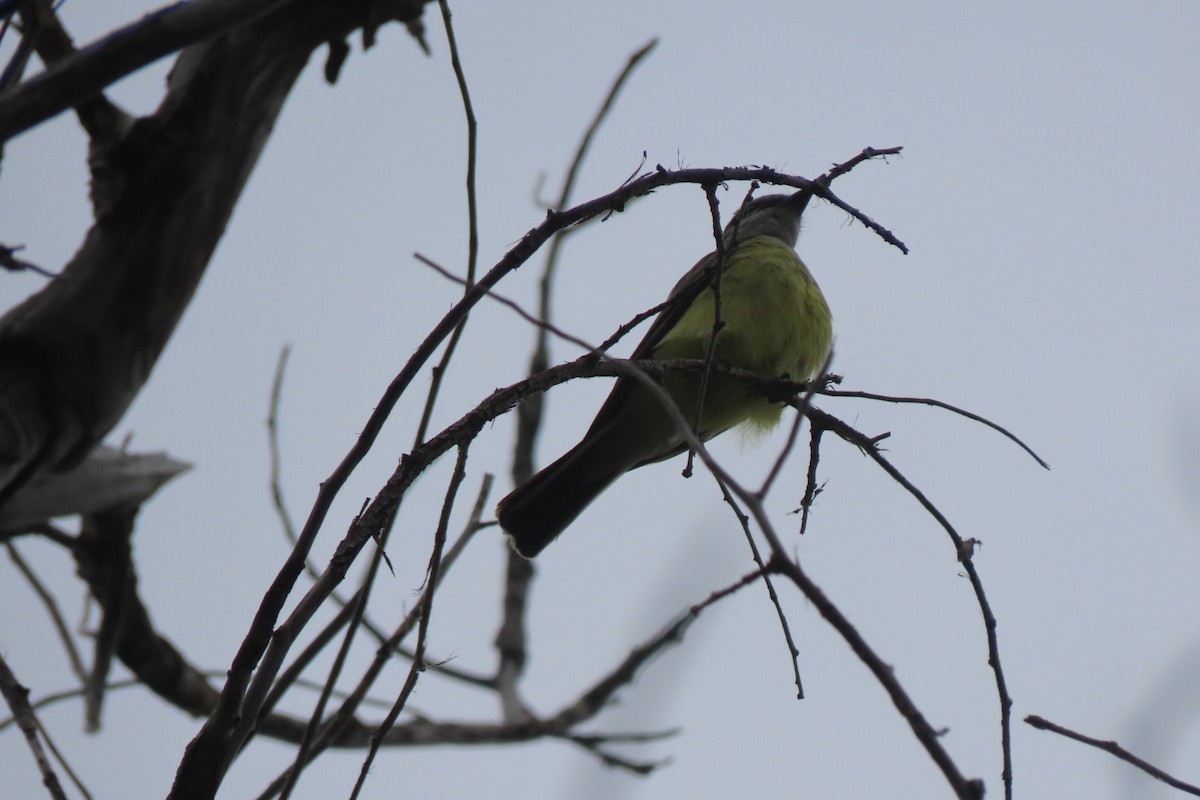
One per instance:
(775,322)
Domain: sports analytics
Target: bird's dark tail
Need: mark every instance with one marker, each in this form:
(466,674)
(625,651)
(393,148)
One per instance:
(537,511)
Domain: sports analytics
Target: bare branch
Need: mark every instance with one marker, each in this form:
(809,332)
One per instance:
(964,550)
(76,353)
(1115,749)
(814,385)
(212,740)
(103,121)
(10,262)
(764,571)
(341,729)
(426,610)
(53,698)
(438,372)
(510,638)
(17,697)
(811,489)
(929,401)
(926,735)
(276,462)
(75,78)
(594,746)
(107,535)
(56,617)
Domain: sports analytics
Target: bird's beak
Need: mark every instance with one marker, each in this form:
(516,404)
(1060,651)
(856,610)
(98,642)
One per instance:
(799,200)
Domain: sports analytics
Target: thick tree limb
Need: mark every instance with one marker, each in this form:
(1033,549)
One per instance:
(74,79)
(74,356)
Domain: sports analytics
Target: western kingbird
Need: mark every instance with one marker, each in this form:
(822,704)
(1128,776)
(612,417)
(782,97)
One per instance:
(775,323)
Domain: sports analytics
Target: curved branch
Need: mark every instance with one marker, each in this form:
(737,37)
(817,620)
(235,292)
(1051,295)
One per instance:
(75,355)
(78,77)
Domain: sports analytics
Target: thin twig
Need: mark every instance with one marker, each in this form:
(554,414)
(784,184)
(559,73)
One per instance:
(545,290)
(590,703)
(438,373)
(744,520)
(867,154)
(17,697)
(929,401)
(73,694)
(593,745)
(76,781)
(291,675)
(218,735)
(421,731)
(356,610)
(102,120)
(9,261)
(511,638)
(1110,746)
(509,303)
(811,490)
(964,550)
(51,605)
(343,717)
(55,534)
(273,452)
(710,193)
(285,518)
(926,735)
(418,662)
(801,408)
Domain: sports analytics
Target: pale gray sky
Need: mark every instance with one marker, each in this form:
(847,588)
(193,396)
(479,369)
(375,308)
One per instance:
(1048,193)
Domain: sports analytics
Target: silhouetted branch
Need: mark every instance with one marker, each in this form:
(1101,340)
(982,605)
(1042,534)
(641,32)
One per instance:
(964,550)
(929,401)
(56,617)
(966,789)
(510,638)
(438,372)
(1115,749)
(87,72)
(17,697)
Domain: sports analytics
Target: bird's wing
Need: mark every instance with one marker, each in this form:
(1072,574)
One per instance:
(685,291)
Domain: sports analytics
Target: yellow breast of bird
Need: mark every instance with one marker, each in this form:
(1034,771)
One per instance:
(775,322)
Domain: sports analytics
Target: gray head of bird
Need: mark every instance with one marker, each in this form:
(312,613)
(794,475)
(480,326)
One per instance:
(776,215)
